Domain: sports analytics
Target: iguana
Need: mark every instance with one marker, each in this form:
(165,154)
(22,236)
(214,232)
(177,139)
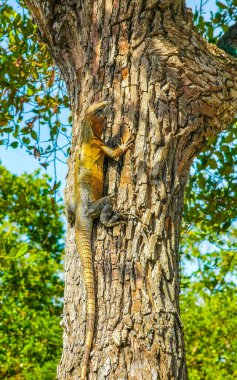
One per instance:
(88,204)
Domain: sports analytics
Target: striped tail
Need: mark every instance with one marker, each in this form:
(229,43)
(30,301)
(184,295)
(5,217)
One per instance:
(83,241)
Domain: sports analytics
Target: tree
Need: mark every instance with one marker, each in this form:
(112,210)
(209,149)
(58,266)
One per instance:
(31,287)
(171,90)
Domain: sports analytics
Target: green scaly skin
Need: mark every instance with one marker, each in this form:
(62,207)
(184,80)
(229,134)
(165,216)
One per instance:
(88,203)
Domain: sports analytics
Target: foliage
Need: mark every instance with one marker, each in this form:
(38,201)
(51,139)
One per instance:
(32,92)
(31,287)
(218,22)
(208,245)
(210,333)
(211,212)
(209,233)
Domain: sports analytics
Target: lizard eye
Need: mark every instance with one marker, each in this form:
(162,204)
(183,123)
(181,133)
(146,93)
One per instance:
(99,112)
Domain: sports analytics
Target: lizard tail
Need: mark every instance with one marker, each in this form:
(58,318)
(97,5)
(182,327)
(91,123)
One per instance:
(83,241)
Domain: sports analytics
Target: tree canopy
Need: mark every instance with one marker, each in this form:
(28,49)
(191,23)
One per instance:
(32,92)
(31,234)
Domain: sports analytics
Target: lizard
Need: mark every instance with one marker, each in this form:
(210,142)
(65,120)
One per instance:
(89,204)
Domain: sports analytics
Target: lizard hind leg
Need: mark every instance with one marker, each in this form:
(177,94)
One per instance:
(94,208)
(110,218)
(103,208)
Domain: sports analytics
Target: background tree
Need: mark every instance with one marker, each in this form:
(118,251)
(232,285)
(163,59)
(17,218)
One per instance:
(31,285)
(209,239)
(209,327)
(32,92)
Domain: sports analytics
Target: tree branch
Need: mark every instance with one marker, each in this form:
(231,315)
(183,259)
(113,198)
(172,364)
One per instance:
(61,28)
(198,94)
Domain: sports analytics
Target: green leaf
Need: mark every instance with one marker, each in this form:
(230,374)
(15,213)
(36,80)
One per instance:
(30,91)
(12,252)
(34,135)
(221,5)
(22,251)
(14,144)
(26,140)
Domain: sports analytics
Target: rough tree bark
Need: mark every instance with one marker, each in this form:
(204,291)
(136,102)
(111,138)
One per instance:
(169,89)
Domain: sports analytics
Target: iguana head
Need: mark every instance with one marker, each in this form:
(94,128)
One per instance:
(95,115)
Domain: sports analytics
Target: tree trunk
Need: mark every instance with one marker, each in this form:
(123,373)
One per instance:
(170,90)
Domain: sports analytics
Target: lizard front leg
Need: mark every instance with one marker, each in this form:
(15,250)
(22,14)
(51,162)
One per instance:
(118,152)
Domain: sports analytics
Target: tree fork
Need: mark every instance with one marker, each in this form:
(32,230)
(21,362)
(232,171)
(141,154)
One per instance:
(169,89)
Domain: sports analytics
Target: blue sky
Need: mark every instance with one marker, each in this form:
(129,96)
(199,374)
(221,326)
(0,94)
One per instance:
(19,161)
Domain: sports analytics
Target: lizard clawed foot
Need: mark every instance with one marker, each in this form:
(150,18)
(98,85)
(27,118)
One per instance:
(110,217)
(127,145)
